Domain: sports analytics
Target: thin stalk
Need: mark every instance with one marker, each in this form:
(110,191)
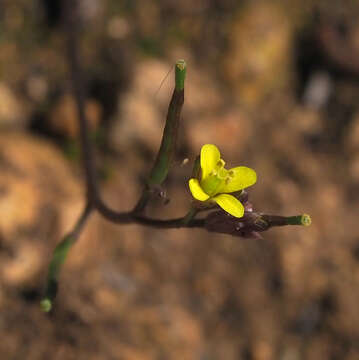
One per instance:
(59,256)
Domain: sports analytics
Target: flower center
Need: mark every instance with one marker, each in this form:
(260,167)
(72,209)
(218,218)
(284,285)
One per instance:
(219,176)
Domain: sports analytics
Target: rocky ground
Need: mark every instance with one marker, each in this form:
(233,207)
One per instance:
(275,87)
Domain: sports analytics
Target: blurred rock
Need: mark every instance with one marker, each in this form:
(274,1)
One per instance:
(354,168)
(263,351)
(130,292)
(19,202)
(37,87)
(306,121)
(203,97)
(231,131)
(37,191)
(148,17)
(11,110)
(90,9)
(24,265)
(352,142)
(118,27)
(64,118)
(257,61)
(318,90)
(142,112)
(33,174)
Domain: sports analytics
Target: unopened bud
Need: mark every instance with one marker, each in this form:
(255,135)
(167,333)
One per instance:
(247,226)
(251,224)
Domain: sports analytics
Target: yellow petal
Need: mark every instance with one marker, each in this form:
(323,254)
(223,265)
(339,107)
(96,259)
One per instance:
(210,156)
(240,178)
(230,204)
(197,191)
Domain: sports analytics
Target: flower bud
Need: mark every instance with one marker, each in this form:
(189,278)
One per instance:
(247,226)
(251,224)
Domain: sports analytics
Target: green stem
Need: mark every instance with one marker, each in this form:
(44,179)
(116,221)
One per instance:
(196,168)
(274,220)
(59,257)
(166,152)
(189,216)
(169,138)
(180,75)
(303,219)
(143,200)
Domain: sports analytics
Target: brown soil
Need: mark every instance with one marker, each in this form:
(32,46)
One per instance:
(268,87)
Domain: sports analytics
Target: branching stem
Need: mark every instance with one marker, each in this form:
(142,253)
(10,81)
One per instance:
(157,175)
(165,154)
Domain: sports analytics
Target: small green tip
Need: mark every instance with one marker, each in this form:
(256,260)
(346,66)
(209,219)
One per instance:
(180,74)
(303,220)
(306,220)
(46,305)
(181,64)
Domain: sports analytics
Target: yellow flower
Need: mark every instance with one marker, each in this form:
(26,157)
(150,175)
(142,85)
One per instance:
(216,182)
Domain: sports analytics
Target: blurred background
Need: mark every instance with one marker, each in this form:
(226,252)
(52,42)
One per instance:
(275,85)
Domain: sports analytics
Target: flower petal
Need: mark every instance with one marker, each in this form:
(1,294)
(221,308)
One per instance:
(197,191)
(241,178)
(210,156)
(230,204)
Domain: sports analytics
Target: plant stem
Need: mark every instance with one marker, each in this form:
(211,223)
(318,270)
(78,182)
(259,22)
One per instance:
(168,144)
(169,138)
(59,257)
(157,175)
(275,220)
(190,216)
